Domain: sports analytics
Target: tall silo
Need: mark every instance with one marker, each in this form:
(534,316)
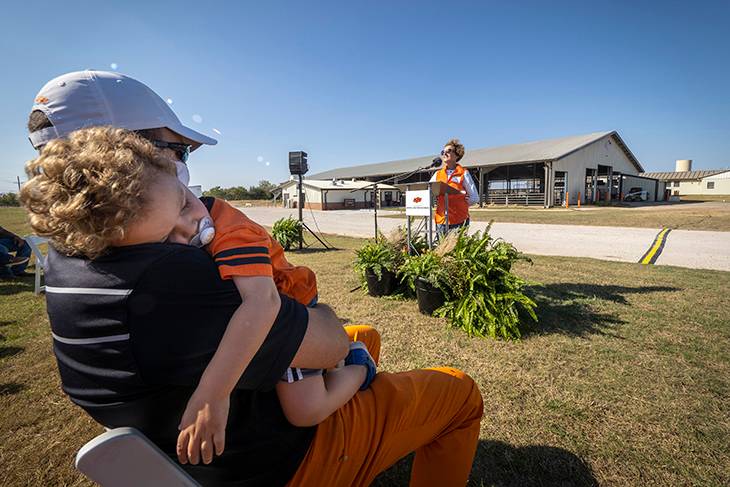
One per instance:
(683,165)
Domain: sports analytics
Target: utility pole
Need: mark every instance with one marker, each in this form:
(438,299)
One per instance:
(18,184)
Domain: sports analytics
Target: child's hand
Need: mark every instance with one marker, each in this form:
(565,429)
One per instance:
(359,355)
(202,427)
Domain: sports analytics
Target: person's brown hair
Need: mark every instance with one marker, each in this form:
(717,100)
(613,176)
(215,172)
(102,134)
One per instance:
(38,121)
(84,191)
(458,148)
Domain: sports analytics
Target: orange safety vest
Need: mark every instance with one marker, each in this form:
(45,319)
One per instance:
(458,204)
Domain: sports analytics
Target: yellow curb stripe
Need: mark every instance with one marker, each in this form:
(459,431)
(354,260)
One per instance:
(656,248)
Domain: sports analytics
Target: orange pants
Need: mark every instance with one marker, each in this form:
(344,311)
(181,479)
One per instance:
(434,412)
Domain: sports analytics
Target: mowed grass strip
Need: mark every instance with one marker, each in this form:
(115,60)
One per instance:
(625,381)
(713,216)
(41,429)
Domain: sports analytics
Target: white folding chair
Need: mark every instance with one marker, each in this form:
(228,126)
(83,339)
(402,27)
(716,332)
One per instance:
(123,457)
(34,241)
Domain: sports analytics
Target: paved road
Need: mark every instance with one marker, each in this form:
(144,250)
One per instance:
(683,248)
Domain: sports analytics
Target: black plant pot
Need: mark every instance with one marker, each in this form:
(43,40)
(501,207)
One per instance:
(382,286)
(430,298)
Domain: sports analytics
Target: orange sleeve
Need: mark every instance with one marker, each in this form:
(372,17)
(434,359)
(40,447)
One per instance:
(241,247)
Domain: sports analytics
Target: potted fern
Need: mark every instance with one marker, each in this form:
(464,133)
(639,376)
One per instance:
(378,261)
(287,231)
(424,275)
(375,263)
(483,296)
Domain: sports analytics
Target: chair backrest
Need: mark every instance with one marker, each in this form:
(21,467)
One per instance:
(34,241)
(123,457)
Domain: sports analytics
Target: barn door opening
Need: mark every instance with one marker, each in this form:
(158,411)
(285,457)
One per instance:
(590,185)
(561,183)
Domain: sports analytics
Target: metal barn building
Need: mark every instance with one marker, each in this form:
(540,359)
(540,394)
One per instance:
(592,167)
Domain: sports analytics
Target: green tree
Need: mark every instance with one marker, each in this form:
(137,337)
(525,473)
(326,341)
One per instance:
(9,199)
(260,192)
(267,186)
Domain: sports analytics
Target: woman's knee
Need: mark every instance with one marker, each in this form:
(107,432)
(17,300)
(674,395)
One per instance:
(360,329)
(368,335)
(467,387)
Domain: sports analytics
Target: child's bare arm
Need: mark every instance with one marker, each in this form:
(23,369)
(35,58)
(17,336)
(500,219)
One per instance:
(203,422)
(311,400)
(246,332)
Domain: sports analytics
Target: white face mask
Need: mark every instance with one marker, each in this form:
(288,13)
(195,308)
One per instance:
(182,172)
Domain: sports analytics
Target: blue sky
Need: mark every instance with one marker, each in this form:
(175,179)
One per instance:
(361,82)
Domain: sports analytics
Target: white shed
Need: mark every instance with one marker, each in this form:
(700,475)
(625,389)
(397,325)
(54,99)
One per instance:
(338,194)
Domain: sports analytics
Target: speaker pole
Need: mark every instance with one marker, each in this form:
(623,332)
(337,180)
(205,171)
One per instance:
(298,166)
(301,202)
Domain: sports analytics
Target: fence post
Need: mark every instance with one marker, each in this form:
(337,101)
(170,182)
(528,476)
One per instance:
(578,199)
(567,199)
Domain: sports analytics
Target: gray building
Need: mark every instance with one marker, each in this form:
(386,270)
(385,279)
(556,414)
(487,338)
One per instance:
(591,167)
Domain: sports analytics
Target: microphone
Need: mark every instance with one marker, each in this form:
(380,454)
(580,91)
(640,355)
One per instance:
(437,161)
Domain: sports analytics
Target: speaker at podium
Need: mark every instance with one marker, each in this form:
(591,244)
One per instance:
(419,203)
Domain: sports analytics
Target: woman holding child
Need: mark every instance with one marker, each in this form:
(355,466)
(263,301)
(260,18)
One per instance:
(212,351)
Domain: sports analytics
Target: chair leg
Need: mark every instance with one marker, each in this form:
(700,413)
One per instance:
(37,289)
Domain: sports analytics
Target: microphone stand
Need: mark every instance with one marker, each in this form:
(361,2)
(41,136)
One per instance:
(404,175)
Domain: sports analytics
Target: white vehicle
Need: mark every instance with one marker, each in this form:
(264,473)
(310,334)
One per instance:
(636,194)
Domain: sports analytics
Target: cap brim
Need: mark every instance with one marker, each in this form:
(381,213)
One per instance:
(197,138)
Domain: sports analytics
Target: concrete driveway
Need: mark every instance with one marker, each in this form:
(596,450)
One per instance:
(683,248)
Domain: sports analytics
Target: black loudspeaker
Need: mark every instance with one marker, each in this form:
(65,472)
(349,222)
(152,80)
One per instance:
(298,162)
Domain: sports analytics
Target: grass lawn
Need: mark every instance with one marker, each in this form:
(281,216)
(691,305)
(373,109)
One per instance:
(705,197)
(689,216)
(625,381)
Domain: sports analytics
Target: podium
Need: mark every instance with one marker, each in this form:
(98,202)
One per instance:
(419,202)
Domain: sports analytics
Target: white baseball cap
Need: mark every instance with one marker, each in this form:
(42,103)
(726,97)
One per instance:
(92,98)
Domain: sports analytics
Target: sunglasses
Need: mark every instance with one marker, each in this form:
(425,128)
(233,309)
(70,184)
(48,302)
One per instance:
(446,152)
(181,150)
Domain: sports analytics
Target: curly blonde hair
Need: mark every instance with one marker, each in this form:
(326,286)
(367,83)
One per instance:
(84,191)
(458,148)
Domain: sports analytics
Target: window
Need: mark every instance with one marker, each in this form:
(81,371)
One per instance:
(676,184)
(710,184)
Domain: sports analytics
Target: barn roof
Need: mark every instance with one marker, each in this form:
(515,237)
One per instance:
(536,151)
(683,175)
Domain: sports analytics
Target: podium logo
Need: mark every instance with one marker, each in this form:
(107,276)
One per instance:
(417,199)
